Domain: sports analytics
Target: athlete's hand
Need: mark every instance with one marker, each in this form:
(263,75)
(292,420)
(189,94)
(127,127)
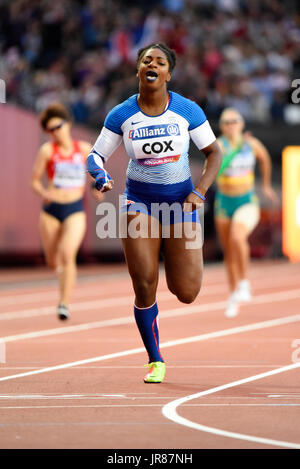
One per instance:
(98,190)
(48,197)
(103,181)
(107,186)
(98,195)
(270,194)
(192,202)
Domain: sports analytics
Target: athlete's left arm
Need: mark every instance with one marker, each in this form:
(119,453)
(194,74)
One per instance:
(213,155)
(212,165)
(86,148)
(264,159)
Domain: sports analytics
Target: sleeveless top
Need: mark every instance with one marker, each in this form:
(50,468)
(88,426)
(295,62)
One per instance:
(67,172)
(241,168)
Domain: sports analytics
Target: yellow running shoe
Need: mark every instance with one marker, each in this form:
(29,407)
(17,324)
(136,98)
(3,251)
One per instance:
(156,372)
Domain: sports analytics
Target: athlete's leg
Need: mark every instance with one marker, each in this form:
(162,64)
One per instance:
(50,231)
(223,227)
(73,230)
(240,245)
(244,220)
(183,260)
(142,258)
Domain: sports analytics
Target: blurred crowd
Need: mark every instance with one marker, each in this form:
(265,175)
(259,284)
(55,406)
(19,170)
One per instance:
(83,53)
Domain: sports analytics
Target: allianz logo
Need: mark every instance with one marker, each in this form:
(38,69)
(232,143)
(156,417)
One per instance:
(151,131)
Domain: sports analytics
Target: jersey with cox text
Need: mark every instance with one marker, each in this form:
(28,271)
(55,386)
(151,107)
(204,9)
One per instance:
(156,145)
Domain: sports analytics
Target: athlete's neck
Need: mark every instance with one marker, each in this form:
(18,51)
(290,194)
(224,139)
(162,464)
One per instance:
(153,103)
(65,145)
(235,140)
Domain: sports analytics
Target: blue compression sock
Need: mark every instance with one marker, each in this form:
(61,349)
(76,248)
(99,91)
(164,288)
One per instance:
(146,319)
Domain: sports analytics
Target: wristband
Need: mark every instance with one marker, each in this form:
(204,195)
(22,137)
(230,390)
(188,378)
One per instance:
(94,166)
(102,179)
(202,197)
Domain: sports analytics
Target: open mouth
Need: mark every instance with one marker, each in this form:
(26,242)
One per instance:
(151,76)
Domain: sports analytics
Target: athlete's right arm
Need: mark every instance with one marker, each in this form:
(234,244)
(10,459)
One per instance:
(38,171)
(105,145)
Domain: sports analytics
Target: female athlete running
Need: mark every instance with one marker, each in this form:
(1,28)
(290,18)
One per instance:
(62,221)
(155,126)
(236,204)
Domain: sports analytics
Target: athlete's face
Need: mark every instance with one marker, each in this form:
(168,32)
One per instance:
(153,69)
(231,124)
(58,128)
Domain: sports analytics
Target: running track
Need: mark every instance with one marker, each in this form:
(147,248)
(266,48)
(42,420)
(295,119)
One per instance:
(230,383)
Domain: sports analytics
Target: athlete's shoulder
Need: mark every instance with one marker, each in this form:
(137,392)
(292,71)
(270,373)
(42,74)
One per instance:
(84,147)
(120,113)
(222,141)
(256,146)
(188,109)
(46,150)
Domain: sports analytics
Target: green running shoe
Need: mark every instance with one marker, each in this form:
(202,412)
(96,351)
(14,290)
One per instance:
(156,372)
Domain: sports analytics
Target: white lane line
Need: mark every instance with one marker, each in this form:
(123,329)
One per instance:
(78,307)
(90,397)
(125,367)
(214,272)
(94,304)
(172,343)
(75,307)
(91,304)
(80,397)
(219,287)
(82,291)
(109,406)
(170,410)
(103,277)
(21,299)
(125,353)
(193,309)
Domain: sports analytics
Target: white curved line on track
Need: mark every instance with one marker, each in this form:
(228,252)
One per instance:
(170,411)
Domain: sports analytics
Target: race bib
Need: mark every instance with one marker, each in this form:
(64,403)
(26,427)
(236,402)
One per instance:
(68,174)
(156,144)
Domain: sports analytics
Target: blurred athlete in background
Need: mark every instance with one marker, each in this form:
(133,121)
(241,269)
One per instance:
(155,126)
(62,221)
(236,204)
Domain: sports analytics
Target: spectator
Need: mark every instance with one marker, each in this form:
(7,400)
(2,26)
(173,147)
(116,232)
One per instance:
(82,52)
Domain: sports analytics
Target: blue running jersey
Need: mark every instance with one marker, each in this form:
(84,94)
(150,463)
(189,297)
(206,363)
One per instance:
(157,146)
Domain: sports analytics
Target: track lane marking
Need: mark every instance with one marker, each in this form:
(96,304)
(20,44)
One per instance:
(108,406)
(48,295)
(255,274)
(120,367)
(170,410)
(174,312)
(171,343)
(76,307)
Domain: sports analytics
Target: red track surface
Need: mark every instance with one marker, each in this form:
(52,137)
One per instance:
(102,402)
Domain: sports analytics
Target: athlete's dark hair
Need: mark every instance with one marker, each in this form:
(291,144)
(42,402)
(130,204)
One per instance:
(54,110)
(170,53)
